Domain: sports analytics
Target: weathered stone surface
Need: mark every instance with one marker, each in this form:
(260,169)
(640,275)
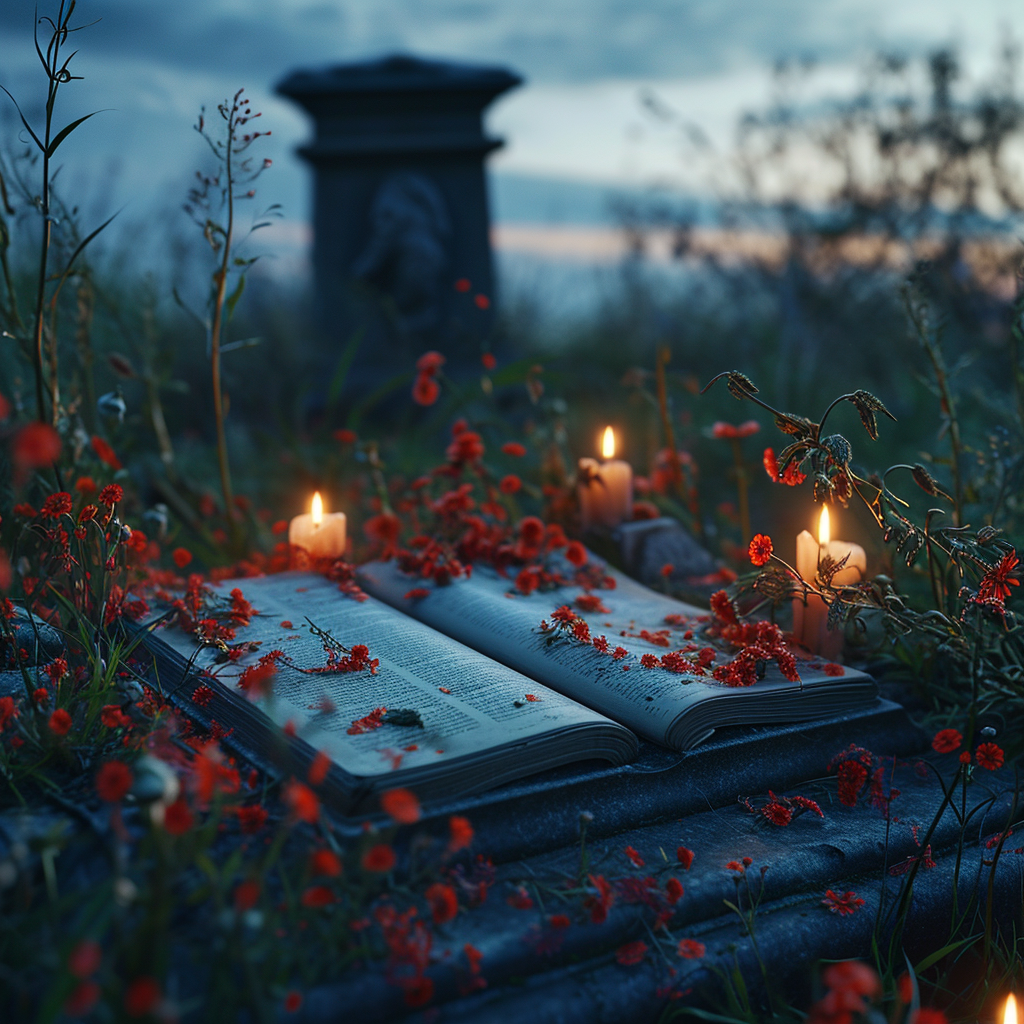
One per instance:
(11,684)
(649,544)
(541,813)
(42,643)
(577,979)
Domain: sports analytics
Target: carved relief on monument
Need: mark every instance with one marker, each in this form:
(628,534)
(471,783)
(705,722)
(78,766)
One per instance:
(407,254)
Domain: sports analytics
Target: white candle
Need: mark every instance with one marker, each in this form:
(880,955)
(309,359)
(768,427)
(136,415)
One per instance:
(810,621)
(321,534)
(606,488)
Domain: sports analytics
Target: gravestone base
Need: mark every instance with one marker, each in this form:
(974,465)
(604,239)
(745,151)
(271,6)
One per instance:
(537,973)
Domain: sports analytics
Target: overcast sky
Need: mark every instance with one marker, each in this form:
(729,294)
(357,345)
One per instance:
(585,62)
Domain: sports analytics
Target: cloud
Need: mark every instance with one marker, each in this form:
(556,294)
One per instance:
(548,40)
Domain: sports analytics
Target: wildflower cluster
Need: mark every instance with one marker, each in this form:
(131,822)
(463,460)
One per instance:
(860,773)
(759,643)
(781,810)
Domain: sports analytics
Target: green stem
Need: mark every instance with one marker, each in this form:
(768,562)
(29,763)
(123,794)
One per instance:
(221,279)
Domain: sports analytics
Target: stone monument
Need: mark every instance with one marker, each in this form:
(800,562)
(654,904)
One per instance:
(402,255)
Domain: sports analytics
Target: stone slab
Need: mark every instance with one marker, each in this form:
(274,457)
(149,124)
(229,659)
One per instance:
(578,979)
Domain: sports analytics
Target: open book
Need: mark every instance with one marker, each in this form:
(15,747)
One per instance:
(477,693)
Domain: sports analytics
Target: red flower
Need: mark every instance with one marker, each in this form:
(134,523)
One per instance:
(425,390)
(723,608)
(531,533)
(684,856)
(430,362)
(488,360)
(317,896)
(113,780)
(142,997)
(444,904)
(303,804)
(832,669)
(777,814)
(674,890)
(851,776)
(60,722)
(995,584)
(83,998)
(292,1002)
(252,818)
(848,903)
(576,553)
(965,757)
(85,959)
(182,557)
(466,447)
(110,495)
(634,856)
(178,818)
(460,833)
(56,505)
(481,302)
(854,977)
(510,484)
(513,448)
(105,453)
(418,991)
(463,284)
(989,756)
(247,895)
(36,446)
(601,903)
(760,549)
(771,464)
(945,741)
(8,712)
(649,661)
(202,695)
(113,717)
(380,858)
(324,863)
(473,957)
(631,953)
(384,529)
(730,431)
(521,899)
(318,768)
(345,436)
(401,805)
(690,949)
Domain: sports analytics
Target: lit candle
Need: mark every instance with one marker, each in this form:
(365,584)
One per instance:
(320,534)
(1010,1010)
(810,621)
(606,488)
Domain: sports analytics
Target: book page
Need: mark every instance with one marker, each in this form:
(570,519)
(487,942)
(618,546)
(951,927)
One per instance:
(486,704)
(485,612)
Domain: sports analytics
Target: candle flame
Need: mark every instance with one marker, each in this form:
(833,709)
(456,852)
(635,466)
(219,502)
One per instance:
(317,509)
(824,528)
(608,444)
(1010,1013)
